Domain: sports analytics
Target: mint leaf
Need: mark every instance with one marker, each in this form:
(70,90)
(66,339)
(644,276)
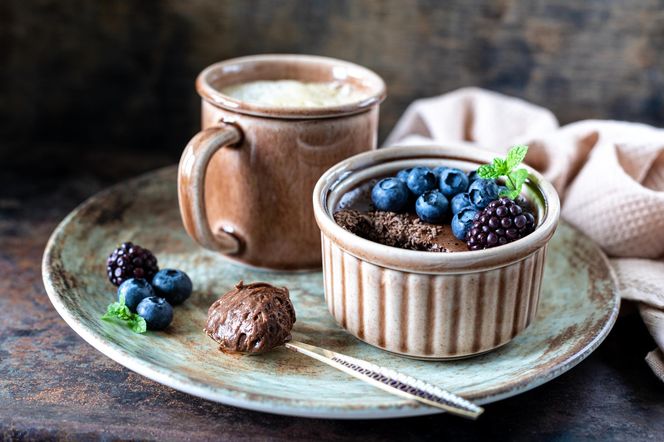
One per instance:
(514,179)
(518,177)
(116,310)
(119,311)
(511,194)
(515,156)
(500,166)
(138,325)
(487,172)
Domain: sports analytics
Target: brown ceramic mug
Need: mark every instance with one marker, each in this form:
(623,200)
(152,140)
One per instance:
(245,181)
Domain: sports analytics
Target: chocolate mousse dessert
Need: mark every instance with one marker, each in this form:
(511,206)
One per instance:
(442,209)
(403,230)
(252,318)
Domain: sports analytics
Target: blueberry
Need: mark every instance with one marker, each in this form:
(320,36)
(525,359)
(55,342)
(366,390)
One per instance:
(460,201)
(482,192)
(390,194)
(462,222)
(453,181)
(172,285)
(432,207)
(501,189)
(156,311)
(403,174)
(439,170)
(134,291)
(472,176)
(420,180)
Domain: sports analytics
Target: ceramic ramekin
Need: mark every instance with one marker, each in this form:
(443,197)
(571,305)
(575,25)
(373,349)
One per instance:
(430,305)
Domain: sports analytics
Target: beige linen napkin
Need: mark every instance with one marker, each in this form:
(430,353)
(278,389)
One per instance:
(610,176)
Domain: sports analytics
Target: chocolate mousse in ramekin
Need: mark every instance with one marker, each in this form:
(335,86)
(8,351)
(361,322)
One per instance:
(430,304)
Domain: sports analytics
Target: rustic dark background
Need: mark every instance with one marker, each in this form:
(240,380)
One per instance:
(94,92)
(77,75)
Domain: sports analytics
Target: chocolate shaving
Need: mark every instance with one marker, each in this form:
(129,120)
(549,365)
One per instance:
(391,229)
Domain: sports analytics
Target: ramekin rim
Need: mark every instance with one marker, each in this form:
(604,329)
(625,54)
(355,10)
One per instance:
(423,261)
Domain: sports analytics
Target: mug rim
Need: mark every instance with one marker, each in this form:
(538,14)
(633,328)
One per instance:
(215,97)
(423,261)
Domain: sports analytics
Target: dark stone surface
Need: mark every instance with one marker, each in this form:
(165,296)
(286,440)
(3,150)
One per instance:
(55,386)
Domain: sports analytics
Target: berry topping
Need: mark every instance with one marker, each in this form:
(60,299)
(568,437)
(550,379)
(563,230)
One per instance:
(453,181)
(462,222)
(460,201)
(482,192)
(438,171)
(421,180)
(130,261)
(403,174)
(524,203)
(390,195)
(501,222)
(432,207)
(472,176)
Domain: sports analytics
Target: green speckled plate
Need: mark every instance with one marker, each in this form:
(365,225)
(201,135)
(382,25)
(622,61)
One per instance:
(578,308)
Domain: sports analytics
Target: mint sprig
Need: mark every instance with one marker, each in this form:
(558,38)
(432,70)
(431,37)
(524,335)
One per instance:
(119,311)
(514,179)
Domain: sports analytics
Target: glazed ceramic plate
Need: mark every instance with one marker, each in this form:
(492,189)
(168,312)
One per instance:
(579,304)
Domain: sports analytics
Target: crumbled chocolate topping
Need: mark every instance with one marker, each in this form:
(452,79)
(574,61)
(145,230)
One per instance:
(391,229)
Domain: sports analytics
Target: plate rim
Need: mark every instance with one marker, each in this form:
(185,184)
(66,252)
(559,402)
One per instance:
(231,397)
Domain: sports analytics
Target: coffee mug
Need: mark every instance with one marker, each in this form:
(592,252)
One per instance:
(245,181)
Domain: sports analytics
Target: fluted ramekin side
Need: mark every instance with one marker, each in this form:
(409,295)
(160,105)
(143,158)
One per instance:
(431,316)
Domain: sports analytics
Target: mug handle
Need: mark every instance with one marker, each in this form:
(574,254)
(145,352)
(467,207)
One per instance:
(191,185)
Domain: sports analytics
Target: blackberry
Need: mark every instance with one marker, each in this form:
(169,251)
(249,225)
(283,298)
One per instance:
(501,222)
(524,203)
(130,261)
